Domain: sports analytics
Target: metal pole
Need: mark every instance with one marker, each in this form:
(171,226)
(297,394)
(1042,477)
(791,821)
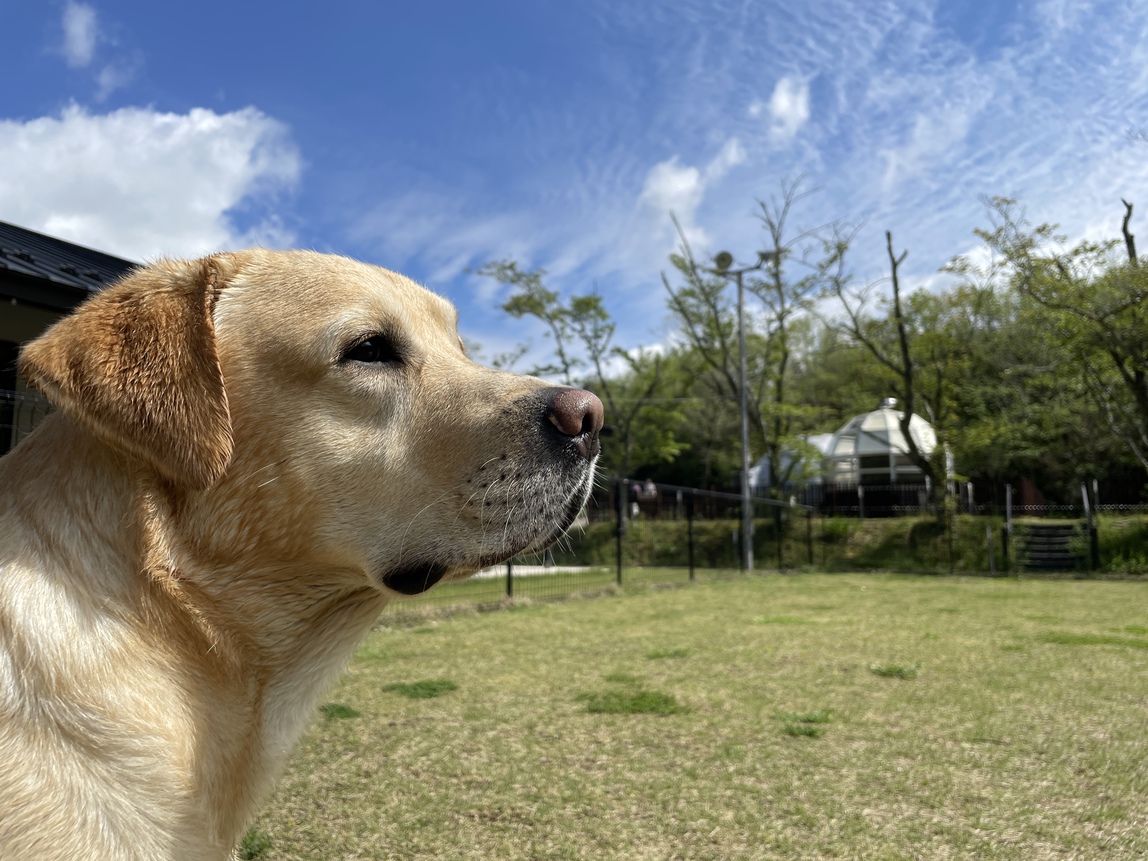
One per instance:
(780,528)
(746,497)
(690,533)
(1094,536)
(809,534)
(509,579)
(1006,535)
(989,545)
(620,502)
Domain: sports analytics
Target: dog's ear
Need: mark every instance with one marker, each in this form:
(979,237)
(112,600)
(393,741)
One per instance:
(137,365)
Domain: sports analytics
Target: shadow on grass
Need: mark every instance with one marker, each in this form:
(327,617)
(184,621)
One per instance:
(905,672)
(424,690)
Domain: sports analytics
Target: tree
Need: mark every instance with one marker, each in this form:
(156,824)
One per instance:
(707,315)
(1093,307)
(911,342)
(629,382)
(531,298)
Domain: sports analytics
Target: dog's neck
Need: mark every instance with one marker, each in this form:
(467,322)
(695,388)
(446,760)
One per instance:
(89,533)
(261,638)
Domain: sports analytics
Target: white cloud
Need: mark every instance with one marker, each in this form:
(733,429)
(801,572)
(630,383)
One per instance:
(112,77)
(139,183)
(83,36)
(81,33)
(731,155)
(673,187)
(788,108)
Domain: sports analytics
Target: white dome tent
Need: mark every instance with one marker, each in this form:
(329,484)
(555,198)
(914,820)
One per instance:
(870,449)
(801,473)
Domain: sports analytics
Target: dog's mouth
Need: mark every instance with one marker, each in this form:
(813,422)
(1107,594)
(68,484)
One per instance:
(572,509)
(418,577)
(414,579)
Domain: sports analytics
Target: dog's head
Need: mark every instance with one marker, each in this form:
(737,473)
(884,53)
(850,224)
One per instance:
(306,407)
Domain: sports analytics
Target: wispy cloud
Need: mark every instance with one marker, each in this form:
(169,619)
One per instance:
(83,38)
(903,114)
(81,32)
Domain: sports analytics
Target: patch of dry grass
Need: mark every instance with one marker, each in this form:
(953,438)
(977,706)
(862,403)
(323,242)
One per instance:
(1024,736)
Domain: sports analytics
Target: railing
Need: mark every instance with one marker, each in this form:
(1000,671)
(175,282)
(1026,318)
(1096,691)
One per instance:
(20,412)
(638,534)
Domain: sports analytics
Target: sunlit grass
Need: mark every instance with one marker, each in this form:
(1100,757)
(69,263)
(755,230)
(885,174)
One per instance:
(776,739)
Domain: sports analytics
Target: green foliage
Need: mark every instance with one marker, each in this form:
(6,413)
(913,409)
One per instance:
(424,690)
(1123,544)
(1031,362)
(564,322)
(254,845)
(840,544)
(778,316)
(1087,308)
(640,405)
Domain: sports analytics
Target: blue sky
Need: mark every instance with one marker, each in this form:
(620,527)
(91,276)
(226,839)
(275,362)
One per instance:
(431,137)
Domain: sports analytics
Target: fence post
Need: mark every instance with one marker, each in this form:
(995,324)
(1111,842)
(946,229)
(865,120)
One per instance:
(1096,530)
(620,492)
(1093,537)
(1006,534)
(779,521)
(989,545)
(690,534)
(809,534)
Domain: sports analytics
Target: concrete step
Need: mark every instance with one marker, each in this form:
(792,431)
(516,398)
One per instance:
(1048,547)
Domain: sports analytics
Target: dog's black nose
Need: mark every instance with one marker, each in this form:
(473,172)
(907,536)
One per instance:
(577,414)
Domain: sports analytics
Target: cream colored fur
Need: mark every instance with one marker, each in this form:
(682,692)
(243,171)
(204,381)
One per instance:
(193,545)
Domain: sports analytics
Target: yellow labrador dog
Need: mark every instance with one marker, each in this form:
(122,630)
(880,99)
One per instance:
(254,453)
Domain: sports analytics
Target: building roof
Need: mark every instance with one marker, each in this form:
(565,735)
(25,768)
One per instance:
(50,272)
(879,432)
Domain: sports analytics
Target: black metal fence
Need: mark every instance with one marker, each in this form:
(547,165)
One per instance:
(20,412)
(640,534)
(637,533)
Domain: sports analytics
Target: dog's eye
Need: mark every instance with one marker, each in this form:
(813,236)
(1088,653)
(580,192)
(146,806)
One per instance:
(372,350)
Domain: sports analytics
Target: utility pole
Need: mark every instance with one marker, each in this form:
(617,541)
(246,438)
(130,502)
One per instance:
(723,261)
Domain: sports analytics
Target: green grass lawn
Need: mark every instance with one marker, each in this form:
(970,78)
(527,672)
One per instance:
(805,716)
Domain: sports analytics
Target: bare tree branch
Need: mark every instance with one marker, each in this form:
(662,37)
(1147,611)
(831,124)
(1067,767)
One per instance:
(1129,239)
